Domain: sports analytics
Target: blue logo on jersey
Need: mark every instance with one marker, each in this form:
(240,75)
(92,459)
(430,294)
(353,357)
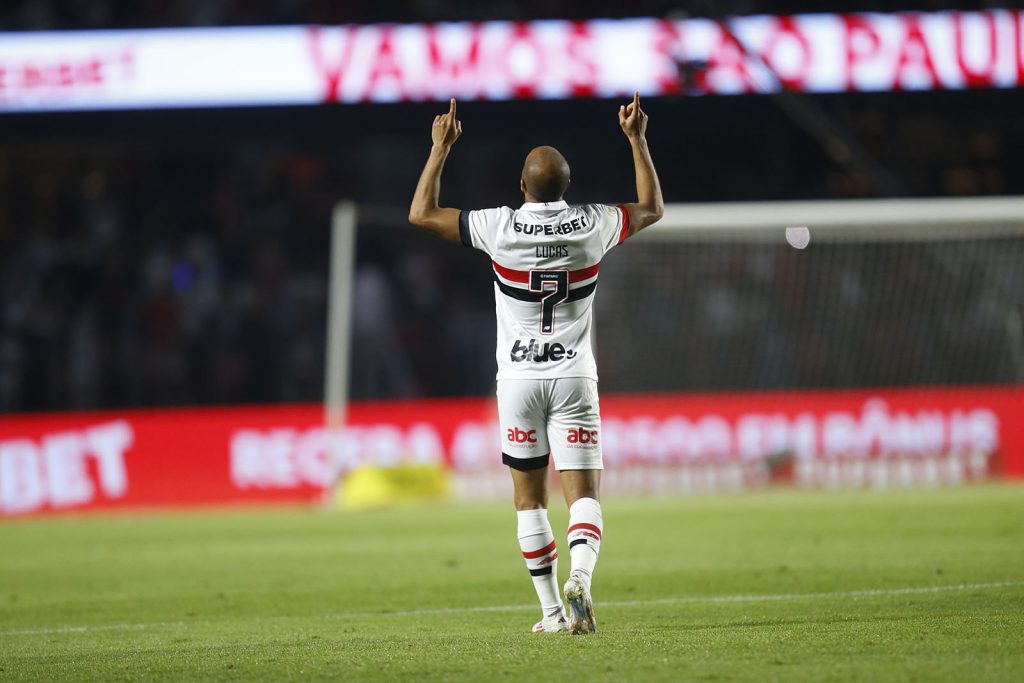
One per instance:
(539,353)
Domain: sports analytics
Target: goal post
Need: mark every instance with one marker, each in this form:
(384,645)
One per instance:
(344,222)
(339,312)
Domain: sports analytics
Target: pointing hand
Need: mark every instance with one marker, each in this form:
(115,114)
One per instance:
(632,118)
(447,128)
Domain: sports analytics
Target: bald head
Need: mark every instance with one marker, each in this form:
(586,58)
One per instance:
(545,174)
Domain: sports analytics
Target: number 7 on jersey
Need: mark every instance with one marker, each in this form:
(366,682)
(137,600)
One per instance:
(556,284)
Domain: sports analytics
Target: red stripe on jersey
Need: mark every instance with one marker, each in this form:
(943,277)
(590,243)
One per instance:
(588,527)
(523,276)
(510,274)
(583,273)
(625,224)
(538,553)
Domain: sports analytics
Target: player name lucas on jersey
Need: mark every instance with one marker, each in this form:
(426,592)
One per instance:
(545,258)
(551,251)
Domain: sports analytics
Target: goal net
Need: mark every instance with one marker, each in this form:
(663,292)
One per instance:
(887,293)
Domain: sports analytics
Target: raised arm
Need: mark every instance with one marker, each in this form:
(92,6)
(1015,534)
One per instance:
(424,212)
(650,205)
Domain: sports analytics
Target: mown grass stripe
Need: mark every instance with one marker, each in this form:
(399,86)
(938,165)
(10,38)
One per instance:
(706,599)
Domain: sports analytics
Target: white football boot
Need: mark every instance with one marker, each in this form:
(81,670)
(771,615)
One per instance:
(581,607)
(552,623)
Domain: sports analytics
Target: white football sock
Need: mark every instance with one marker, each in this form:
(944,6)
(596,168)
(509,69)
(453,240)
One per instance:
(585,530)
(538,546)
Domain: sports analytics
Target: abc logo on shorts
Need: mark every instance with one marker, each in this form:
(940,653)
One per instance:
(582,437)
(517,435)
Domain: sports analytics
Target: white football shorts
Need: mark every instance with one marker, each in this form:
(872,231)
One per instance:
(544,419)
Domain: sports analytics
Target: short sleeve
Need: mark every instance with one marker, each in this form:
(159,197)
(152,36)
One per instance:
(479,229)
(612,225)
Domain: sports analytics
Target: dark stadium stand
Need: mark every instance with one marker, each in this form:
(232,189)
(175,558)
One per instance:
(166,258)
(72,14)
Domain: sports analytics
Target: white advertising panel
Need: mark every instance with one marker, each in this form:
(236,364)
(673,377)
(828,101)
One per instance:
(509,60)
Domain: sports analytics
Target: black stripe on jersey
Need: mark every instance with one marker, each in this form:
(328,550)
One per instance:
(536,297)
(464,235)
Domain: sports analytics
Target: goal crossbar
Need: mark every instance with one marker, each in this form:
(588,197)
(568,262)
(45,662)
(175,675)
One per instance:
(861,220)
(834,220)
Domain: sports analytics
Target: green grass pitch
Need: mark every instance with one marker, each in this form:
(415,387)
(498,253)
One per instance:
(772,586)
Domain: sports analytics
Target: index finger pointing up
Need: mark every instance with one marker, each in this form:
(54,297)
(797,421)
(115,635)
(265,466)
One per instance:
(452,110)
(636,100)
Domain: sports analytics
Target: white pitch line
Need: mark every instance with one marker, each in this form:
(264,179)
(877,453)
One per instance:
(90,629)
(712,599)
(709,599)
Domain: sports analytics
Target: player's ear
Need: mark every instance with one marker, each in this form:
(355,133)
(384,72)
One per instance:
(522,185)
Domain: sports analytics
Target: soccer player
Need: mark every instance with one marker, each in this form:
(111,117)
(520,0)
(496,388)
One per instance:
(546,256)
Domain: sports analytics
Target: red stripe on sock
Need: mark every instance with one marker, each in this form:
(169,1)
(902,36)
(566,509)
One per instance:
(588,527)
(548,560)
(538,553)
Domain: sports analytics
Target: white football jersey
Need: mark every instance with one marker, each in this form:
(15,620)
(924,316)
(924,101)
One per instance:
(546,258)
